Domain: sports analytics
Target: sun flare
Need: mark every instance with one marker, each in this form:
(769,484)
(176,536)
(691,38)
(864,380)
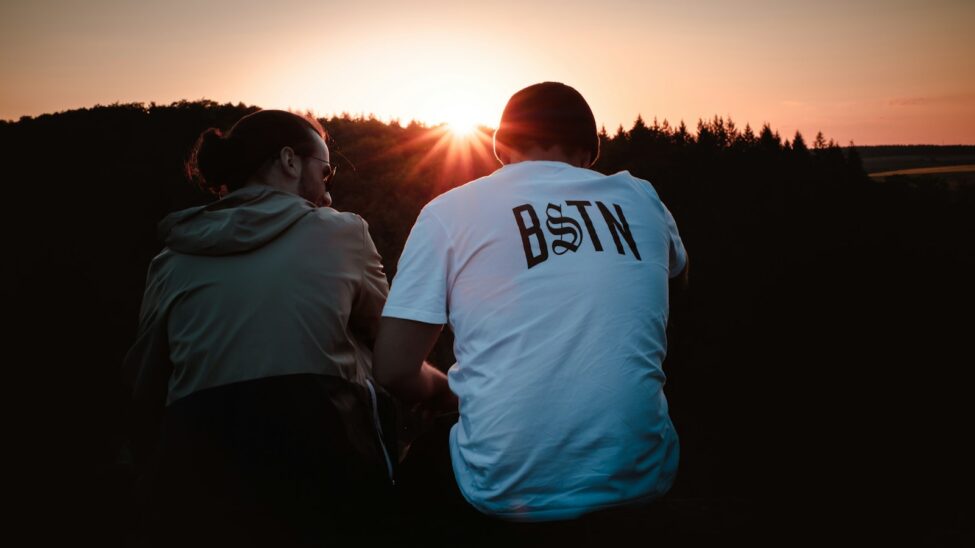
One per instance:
(461,124)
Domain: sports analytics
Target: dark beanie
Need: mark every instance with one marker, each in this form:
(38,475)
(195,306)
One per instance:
(548,114)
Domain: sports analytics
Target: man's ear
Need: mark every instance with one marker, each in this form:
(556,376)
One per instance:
(586,160)
(575,156)
(289,161)
(501,152)
(594,155)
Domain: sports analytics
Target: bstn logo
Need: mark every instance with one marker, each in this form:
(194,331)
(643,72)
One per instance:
(568,230)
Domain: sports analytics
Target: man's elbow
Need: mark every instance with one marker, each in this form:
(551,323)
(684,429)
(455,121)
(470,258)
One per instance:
(384,373)
(383,370)
(401,346)
(682,279)
(389,367)
(400,380)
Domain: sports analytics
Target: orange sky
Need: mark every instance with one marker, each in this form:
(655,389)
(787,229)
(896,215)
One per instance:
(872,71)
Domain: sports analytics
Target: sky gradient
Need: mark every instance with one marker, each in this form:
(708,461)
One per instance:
(871,71)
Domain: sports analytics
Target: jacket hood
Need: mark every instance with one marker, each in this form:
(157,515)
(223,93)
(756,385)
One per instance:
(243,220)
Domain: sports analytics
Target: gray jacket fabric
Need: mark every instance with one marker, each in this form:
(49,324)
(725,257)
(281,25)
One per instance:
(260,283)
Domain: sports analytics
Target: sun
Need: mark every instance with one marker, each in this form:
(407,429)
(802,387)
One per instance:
(461,120)
(461,124)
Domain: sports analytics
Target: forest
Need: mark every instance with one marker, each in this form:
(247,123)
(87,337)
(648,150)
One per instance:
(819,364)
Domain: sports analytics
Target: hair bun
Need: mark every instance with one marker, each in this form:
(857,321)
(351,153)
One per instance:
(212,159)
(225,161)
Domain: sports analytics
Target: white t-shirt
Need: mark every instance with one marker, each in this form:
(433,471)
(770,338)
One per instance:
(554,281)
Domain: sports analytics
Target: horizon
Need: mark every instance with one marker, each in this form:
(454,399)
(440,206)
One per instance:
(876,73)
(467,133)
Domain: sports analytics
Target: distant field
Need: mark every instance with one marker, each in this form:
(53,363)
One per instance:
(881,159)
(928,177)
(964,168)
(881,164)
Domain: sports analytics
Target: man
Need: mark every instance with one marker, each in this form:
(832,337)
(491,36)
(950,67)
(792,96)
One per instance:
(255,334)
(554,280)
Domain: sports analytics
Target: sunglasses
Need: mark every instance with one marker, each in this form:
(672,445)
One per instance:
(329,171)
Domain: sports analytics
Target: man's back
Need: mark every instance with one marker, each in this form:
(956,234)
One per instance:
(261,284)
(554,279)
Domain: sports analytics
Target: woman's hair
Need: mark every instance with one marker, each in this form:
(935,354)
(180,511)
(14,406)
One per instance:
(548,114)
(223,161)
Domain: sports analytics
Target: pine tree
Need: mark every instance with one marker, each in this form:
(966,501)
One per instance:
(747,137)
(769,140)
(681,136)
(732,131)
(799,144)
(720,131)
(639,124)
(705,134)
(820,142)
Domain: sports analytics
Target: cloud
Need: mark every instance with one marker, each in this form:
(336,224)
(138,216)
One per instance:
(921,101)
(910,101)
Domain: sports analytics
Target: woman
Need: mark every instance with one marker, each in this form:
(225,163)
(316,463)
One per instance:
(255,334)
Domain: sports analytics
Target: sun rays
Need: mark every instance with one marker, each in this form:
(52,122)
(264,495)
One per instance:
(461,148)
(453,153)
(461,125)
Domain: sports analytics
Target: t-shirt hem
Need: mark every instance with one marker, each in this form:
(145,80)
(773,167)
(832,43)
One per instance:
(549,514)
(557,514)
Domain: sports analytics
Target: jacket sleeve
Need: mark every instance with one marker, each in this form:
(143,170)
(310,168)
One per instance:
(373,289)
(147,367)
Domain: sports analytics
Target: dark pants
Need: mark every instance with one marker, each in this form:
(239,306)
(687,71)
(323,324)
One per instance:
(435,512)
(281,461)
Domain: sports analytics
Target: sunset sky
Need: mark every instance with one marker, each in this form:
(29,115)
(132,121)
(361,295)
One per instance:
(871,71)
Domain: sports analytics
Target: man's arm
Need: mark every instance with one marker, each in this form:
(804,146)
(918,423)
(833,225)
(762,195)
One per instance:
(145,373)
(677,256)
(681,281)
(398,363)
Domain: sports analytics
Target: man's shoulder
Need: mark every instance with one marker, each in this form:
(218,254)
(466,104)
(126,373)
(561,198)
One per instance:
(459,200)
(467,190)
(326,217)
(514,174)
(627,178)
(476,194)
(161,260)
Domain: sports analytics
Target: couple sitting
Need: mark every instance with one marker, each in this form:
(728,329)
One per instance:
(268,338)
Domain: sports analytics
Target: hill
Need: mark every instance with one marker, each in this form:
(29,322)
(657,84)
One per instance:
(818,368)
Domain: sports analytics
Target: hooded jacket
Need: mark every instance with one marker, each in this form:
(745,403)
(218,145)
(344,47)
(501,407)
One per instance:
(257,284)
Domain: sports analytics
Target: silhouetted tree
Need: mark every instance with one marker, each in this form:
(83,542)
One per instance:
(799,144)
(820,142)
(769,140)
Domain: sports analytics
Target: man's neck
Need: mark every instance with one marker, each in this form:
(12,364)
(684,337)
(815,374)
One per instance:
(551,154)
(273,182)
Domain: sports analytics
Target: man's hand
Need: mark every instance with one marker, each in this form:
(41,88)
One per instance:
(443,400)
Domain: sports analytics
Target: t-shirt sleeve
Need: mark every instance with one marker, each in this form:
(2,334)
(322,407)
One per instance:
(677,255)
(419,290)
